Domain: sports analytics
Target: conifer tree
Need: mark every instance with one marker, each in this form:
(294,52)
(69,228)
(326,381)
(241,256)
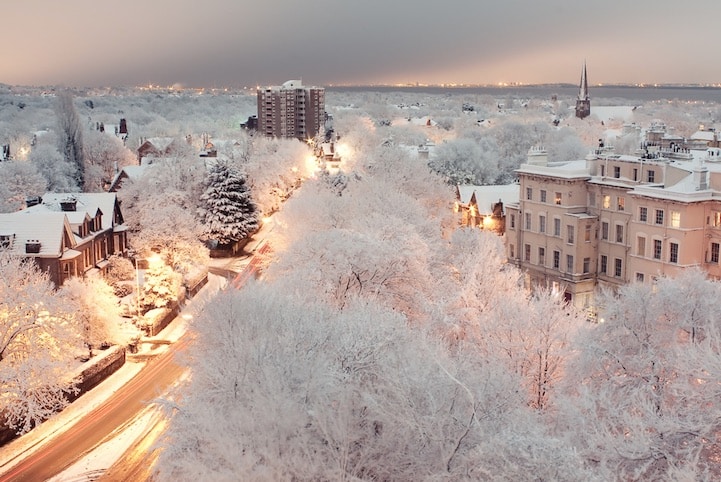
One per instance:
(228,212)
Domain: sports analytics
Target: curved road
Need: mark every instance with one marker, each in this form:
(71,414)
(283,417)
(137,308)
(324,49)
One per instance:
(61,451)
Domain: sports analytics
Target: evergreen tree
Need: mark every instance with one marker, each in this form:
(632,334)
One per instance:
(227,212)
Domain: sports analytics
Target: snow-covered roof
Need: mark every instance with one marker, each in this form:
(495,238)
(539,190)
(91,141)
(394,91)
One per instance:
(487,196)
(703,136)
(612,112)
(45,227)
(160,143)
(565,170)
(87,205)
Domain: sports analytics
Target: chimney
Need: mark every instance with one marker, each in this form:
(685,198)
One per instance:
(537,156)
(32,246)
(32,201)
(700,177)
(68,205)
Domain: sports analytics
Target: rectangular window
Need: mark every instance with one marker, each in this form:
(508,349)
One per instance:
(569,263)
(716,219)
(528,221)
(571,233)
(643,214)
(607,202)
(714,252)
(620,203)
(558,198)
(604,264)
(603,170)
(675,219)
(529,194)
(618,271)
(616,171)
(557,227)
(619,233)
(651,175)
(543,195)
(604,230)
(657,248)
(587,233)
(527,252)
(639,277)
(542,256)
(541,224)
(556,259)
(635,174)
(586,265)
(659,216)
(673,253)
(641,246)
(513,221)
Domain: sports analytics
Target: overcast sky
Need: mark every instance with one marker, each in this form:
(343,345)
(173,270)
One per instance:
(237,43)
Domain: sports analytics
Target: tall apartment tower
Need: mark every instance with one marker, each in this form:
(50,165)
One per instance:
(583,103)
(291,110)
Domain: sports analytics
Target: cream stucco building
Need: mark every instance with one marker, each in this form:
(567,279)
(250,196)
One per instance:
(612,219)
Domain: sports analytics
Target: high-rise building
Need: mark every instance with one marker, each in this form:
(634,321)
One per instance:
(291,110)
(583,103)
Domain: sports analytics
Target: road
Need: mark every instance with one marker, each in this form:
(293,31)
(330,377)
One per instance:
(61,451)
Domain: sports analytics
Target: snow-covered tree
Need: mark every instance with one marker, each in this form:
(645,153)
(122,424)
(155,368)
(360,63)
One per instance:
(104,155)
(227,210)
(19,180)
(96,310)
(288,390)
(58,172)
(38,340)
(70,134)
(161,286)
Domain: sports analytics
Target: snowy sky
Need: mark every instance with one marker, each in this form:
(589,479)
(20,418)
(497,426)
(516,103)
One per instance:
(239,43)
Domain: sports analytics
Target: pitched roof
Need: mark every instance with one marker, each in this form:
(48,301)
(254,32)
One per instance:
(47,228)
(87,203)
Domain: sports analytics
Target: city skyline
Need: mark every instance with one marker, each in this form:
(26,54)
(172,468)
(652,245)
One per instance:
(228,44)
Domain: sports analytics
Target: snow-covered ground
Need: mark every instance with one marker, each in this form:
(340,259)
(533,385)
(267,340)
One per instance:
(104,455)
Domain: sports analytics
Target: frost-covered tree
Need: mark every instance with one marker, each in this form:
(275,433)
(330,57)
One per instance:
(70,134)
(96,310)
(38,340)
(284,389)
(227,210)
(19,180)
(161,286)
(58,172)
(643,392)
(104,155)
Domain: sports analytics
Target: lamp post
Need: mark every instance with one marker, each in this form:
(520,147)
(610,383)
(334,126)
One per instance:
(137,289)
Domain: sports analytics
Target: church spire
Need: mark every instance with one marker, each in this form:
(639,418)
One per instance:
(583,103)
(583,94)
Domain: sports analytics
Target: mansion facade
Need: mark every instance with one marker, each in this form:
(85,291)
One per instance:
(613,219)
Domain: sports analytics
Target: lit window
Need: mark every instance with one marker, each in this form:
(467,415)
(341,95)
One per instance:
(558,198)
(606,202)
(621,204)
(675,219)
